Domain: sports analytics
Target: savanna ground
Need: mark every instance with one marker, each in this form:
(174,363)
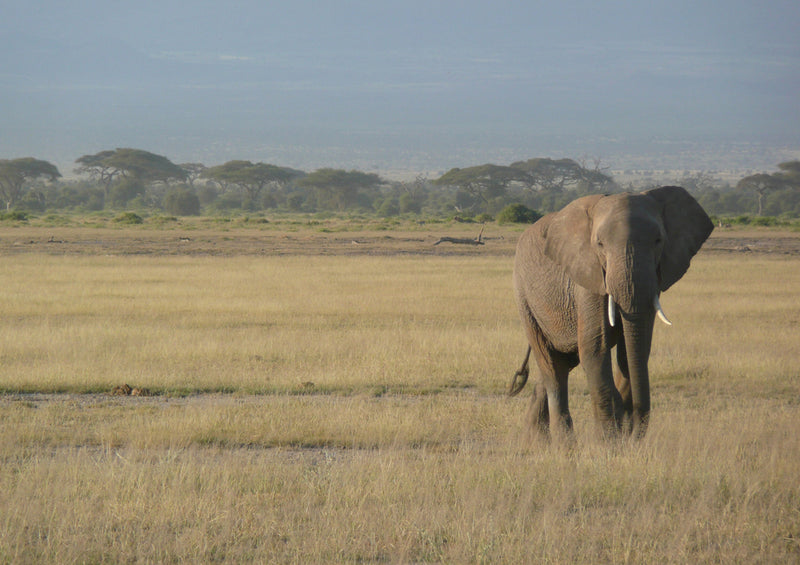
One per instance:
(327,392)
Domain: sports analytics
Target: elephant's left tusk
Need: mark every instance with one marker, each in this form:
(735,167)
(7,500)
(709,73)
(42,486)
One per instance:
(660,312)
(612,311)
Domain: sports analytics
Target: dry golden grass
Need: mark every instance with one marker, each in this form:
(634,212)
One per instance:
(255,324)
(404,449)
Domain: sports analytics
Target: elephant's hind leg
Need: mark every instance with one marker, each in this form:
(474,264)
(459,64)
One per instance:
(538,416)
(554,368)
(549,409)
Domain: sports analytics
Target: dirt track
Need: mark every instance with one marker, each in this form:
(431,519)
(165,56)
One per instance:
(780,243)
(81,241)
(207,242)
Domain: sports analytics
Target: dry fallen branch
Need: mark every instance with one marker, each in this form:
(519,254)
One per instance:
(463,240)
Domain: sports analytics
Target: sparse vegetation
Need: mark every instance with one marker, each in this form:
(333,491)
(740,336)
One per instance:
(321,407)
(14,216)
(148,184)
(129,218)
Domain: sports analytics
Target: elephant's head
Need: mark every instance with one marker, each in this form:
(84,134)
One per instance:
(628,246)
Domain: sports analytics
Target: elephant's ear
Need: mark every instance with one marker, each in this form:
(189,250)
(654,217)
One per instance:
(567,242)
(687,226)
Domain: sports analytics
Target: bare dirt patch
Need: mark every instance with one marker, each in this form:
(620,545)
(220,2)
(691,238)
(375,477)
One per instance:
(754,241)
(83,241)
(497,241)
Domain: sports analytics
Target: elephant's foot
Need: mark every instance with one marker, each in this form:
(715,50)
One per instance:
(538,426)
(562,428)
(639,423)
(610,430)
(626,424)
(538,435)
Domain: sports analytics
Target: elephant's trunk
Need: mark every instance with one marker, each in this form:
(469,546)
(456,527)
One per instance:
(631,279)
(632,283)
(638,334)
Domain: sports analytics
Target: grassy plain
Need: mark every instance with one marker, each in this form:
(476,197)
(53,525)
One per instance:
(339,397)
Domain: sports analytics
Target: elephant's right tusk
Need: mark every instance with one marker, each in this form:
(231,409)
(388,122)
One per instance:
(660,312)
(612,311)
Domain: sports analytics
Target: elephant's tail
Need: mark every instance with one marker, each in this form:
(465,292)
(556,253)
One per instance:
(521,376)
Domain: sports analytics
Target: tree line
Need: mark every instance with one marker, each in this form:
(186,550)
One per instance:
(134,179)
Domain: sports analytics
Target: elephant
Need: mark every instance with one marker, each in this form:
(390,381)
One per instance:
(587,280)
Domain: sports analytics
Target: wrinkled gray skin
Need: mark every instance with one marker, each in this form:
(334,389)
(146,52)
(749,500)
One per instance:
(629,246)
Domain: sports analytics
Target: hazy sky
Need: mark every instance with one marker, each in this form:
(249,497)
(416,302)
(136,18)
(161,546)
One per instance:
(396,84)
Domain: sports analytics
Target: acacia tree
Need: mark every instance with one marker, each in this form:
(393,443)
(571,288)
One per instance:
(761,184)
(136,169)
(790,172)
(483,182)
(193,172)
(144,166)
(97,166)
(250,177)
(784,185)
(15,173)
(136,164)
(340,188)
(412,194)
(556,175)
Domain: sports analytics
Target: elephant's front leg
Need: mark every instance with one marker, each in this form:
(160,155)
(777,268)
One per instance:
(622,380)
(606,399)
(594,349)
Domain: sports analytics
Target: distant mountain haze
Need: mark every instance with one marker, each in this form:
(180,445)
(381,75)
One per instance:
(425,85)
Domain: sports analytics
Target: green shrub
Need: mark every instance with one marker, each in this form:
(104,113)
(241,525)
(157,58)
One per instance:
(742,220)
(126,190)
(295,202)
(14,216)
(162,220)
(389,207)
(408,204)
(746,220)
(56,220)
(129,218)
(207,194)
(763,221)
(229,201)
(517,214)
(182,202)
(252,220)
